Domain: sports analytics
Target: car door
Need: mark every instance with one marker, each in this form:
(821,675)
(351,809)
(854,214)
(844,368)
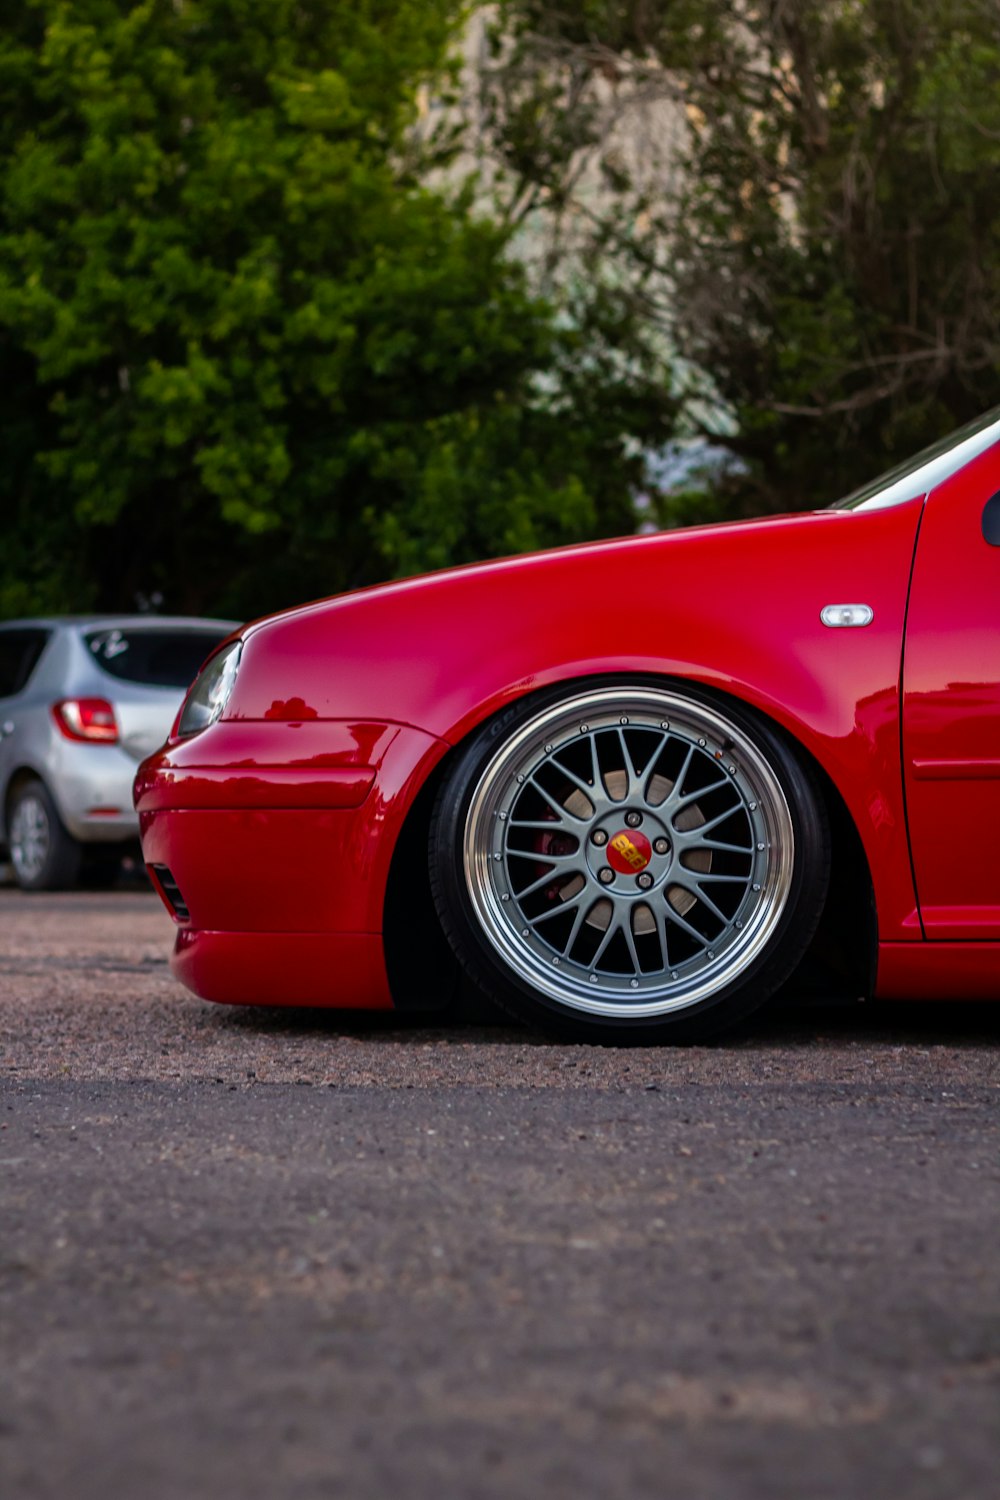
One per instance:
(951,706)
(20,648)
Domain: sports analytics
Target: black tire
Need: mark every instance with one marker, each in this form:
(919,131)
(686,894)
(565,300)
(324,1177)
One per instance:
(629,861)
(45,857)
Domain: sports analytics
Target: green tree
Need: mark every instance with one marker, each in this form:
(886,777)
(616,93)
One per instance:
(249,355)
(820,248)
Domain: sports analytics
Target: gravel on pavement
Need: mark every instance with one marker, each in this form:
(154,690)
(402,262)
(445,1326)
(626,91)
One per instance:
(281,1252)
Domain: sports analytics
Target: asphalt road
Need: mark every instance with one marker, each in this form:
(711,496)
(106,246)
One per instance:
(265,1253)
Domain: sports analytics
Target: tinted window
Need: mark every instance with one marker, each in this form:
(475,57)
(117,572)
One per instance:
(158,658)
(19,651)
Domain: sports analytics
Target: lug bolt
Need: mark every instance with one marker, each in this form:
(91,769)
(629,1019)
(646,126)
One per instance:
(644,882)
(633,819)
(607,875)
(661,846)
(599,837)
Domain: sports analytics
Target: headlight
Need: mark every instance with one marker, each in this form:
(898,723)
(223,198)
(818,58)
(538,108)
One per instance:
(210,693)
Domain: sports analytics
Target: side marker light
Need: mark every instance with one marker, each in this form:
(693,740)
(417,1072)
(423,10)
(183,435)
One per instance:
(846,616)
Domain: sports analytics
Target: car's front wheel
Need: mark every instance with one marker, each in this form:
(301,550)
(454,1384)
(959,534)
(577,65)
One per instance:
(44,855)
(629,861)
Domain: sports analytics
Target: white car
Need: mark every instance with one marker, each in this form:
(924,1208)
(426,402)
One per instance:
(83,699)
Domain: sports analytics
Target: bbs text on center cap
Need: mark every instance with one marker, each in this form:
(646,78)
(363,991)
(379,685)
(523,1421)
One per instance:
(629,852)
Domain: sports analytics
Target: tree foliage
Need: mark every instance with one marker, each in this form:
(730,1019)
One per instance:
(249,355)
(825,264)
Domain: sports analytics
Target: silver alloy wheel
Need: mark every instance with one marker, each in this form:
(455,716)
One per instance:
(29,837)
(629,852)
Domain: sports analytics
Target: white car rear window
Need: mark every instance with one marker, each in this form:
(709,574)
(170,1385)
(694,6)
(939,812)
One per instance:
(156,658)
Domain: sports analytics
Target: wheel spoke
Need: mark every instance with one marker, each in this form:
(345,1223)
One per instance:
(678,786)
(581,916)
(714,844)
(680,803)
(557,807)
(609,801)
(629,936)
(634,781)
(578,781)
(650,772)
(595,766)
(606,940)
(679,921)
(583,904)
(694,836)
(543,825)
(688,881)
(661,938)
(543,859)
(663,935)
(539,884)
(560,910)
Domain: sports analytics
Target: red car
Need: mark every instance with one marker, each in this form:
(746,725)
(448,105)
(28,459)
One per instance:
(631,787)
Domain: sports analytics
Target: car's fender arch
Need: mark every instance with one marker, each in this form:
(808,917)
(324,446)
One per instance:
(840,962)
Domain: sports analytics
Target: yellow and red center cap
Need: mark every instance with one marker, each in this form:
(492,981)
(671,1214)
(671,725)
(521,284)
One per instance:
(629,852)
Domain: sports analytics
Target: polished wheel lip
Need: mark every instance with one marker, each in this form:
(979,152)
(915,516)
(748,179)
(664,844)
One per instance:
(641,995)
(29,837)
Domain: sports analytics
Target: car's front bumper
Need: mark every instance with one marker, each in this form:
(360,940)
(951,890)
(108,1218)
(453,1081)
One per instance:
(278,838)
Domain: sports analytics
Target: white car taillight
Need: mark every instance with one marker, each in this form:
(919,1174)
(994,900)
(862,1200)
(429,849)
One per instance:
(91,719)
